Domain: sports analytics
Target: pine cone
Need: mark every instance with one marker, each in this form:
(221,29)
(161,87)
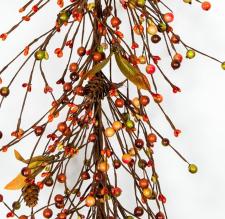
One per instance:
(30,194)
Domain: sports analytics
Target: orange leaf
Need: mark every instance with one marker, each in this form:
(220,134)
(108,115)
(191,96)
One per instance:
(17,183)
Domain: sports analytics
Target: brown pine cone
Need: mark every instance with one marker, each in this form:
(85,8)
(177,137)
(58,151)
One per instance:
(30,194)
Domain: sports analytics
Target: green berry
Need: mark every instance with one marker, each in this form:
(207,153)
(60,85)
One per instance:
(129,124)
(193,168)
(126,116)
(40,54)
(190,54)
(162,27)
(100,49)
(64,16)
(16,205)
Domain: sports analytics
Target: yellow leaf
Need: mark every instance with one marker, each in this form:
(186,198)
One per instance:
(34,164)
(17,183)
(132,73)
(40,158)
(19,156)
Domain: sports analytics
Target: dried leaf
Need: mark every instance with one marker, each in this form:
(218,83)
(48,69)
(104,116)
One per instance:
(97,68)
(132,73)
(35,166)
(41,159)
(17,183)
(19,156)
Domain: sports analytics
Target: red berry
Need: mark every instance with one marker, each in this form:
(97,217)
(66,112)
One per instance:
(162,198)
(168,17)
(81,51)
(61,178)
(1,198)
(67,87)
(139,143)
(151,138)
(97,57)
(138,211)
(59,198)
(159,215)
(206,6)
(61,216)
(62,126)
(115,22)
(143,183)
(119,102)
(38,130)
(26,171)
(144,100)
(73,67)
(47,213)
(22,217)
(150,69)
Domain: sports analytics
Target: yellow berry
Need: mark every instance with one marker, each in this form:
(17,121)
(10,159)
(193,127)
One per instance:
(136,102)
(223,65)
(193,168)
(147,193)
(90,201)
(109,132)
(103,166)
(152,29)
(117,125)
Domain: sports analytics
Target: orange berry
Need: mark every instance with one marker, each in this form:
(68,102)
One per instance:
(90,201)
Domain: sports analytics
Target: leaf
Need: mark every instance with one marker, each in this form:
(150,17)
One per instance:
(40,158)
(35,166)
(97,68)
(17,183)
(132,73)
(19,157)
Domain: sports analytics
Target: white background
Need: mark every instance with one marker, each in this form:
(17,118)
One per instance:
(198,111)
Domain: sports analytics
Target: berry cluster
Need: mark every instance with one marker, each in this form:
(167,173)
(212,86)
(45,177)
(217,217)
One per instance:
(94,119)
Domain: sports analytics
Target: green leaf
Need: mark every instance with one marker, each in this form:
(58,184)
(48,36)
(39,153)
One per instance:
(132,73)
(97,68)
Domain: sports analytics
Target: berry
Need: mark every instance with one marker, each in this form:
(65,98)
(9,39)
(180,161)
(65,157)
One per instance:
(138,211)
(168,17)
(47,213)
(119,102)
(193,168)
(143,183)
(190,54)
(150,69)
(223,65)
(206,6)
(4,91)
(159,215)
(129,124)
(115,22)
(81,51)
(109,132)
(61,178)
(90,201)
